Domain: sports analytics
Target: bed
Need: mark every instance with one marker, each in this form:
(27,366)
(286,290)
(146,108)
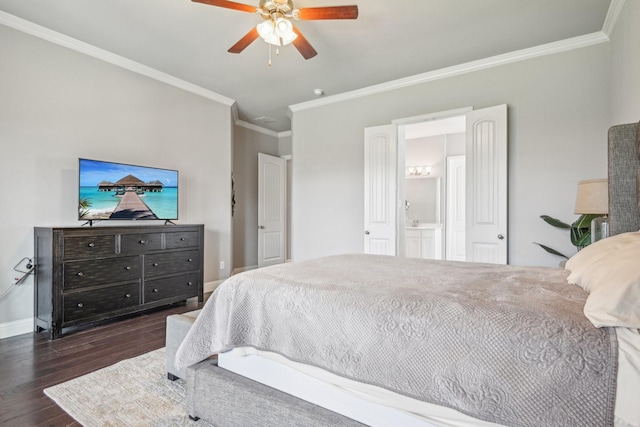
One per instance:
(387,341)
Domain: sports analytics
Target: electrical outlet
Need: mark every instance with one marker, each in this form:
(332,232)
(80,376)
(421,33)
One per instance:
(221,265)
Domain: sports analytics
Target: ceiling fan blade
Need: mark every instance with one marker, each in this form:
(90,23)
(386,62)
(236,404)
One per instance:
(229,5)
(303,46)
(245,41)
(329,12)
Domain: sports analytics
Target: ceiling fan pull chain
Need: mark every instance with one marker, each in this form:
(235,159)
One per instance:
(269,55)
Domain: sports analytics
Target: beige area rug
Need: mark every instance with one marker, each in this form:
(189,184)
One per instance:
(133,392)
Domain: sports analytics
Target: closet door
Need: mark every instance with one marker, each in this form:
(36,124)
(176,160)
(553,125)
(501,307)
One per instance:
(272,177)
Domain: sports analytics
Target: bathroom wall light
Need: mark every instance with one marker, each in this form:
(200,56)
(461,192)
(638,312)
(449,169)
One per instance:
(417,170)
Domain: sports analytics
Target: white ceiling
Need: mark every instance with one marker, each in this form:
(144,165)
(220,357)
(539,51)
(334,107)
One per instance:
(190,40)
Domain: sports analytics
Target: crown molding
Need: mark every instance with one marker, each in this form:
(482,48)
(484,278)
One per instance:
(262,130)
(41,32)
(615,9)
(456,70)
(256,128)
(234,112)
(610,21)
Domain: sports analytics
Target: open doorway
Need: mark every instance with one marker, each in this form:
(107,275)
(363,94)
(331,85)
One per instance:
(485,186)
(433,189)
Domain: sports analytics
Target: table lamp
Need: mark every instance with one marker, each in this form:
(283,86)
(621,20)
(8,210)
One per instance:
(593,199)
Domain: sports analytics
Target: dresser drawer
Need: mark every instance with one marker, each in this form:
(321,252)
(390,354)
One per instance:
(185,239)
(171,262)
(80,305)
(89,246)
(179,286)
(140,243)
(78,274)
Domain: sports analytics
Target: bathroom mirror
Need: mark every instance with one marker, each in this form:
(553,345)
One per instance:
(423,194)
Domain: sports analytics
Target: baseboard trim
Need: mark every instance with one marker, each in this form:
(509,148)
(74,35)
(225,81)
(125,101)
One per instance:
(16,327)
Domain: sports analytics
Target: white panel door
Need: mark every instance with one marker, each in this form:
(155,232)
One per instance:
(272,176)
(486,185)
(455,235)
(380,166)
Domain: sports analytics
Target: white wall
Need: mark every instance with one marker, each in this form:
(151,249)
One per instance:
(625,64)
(558,121)
(57,105)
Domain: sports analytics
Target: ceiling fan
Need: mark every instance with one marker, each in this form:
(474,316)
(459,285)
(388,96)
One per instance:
(277,28)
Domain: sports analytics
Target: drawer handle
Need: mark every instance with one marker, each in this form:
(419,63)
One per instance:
(190,260)
(182,239)
(155,290)
(189,283)
(155,264)
(142,242)
(91,245)
(127,268)
(80,305)
(128,296)
(80,273)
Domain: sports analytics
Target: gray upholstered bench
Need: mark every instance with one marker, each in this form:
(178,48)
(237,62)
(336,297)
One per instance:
(177,327)
(223,398)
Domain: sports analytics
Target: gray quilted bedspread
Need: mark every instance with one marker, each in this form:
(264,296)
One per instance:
(500,343)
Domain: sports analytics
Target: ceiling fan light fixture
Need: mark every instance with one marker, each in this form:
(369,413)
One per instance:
(277,29)
(268,32)
(284,30)
(278,32)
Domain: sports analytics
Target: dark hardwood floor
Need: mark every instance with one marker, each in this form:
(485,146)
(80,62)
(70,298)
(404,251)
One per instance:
(30,363)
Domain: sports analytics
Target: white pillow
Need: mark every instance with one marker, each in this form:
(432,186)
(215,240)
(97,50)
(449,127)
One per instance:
(609,270)
(587,256)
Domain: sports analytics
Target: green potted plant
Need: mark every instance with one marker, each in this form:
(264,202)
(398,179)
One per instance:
(579,232)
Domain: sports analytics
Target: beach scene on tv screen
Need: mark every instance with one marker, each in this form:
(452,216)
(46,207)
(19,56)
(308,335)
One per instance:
(119,191)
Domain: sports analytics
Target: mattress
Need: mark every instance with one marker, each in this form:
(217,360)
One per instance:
(376,406)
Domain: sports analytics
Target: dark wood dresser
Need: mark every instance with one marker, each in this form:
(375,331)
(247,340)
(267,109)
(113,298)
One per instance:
(88,274)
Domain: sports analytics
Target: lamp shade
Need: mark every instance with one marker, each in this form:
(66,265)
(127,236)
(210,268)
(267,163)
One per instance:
(593,197)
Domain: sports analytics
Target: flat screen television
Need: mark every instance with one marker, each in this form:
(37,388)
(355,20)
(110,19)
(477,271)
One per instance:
(118,191)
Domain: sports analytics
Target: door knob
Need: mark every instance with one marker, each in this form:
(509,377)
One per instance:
(261,227)
(366,232)
(500,236)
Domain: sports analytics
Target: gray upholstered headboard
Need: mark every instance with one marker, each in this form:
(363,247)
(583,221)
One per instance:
(624,178)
